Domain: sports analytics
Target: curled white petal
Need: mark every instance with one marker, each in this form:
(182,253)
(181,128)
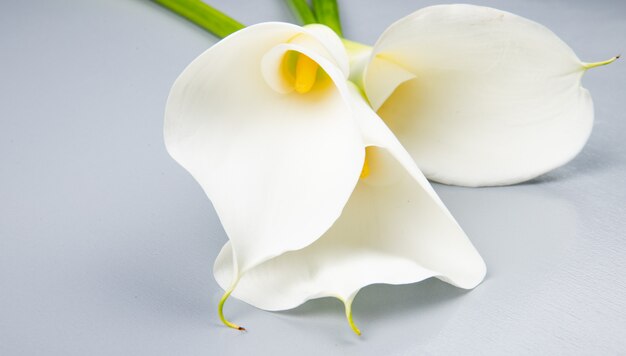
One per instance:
(394,229)
(277,167)
(384,76)
(496,98)
(272,68)
(332,48)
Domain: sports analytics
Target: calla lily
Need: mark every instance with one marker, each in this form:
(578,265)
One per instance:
(478,96)
(316,194)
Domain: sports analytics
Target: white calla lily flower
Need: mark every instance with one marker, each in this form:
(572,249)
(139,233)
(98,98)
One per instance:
(393,229)
(316,195)
(478,96)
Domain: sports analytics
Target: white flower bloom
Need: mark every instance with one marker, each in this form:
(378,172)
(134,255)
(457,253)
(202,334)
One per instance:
(269,126)
(394,229)
(479,96)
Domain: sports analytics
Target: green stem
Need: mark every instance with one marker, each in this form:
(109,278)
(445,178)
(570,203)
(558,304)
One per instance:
(303,12)
(327,13)
(203,15)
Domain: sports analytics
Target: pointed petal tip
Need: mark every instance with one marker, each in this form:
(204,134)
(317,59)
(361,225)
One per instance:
(602,63)
(220,311)
(353,326)
(348,307)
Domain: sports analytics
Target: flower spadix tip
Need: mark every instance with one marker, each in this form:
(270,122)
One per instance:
(306,72)
(365,172)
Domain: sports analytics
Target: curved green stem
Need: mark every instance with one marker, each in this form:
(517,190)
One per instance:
(203,15)
(220,310)
(599,64)
(303,12)
(327,13)
(348,306)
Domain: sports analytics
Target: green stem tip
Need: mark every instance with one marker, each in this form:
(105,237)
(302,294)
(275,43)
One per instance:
(203,15)
(327,13)
(303,12)
(348,306)
(599,64)
(220,311)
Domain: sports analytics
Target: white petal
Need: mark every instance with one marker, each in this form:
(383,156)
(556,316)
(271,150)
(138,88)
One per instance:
(496,98)
(319,43)
(278,168)
(333,47)
(384,77)
(393,230)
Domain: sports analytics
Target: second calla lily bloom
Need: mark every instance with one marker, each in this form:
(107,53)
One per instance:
(317,196)
(479,96)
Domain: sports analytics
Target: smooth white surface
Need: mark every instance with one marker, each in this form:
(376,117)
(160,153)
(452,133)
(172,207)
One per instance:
(495,98)
(278,167)
(393,230)
(107,245)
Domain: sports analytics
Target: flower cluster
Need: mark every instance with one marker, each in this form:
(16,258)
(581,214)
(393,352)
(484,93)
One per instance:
(308,145)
